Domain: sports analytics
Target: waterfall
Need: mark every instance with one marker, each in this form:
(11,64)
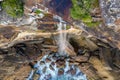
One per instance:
(50,67)
(62,36)
(61,39)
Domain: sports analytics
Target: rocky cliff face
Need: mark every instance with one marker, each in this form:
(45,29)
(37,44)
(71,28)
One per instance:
(111,13)
(96,51)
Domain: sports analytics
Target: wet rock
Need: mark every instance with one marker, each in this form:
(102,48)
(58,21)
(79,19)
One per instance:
(44,69)
(52,63)
(42,63)
(55,58)
(32,64)
(36,76)
(51,67)
(47,60)
(60,63)
(71,71)
(60,71)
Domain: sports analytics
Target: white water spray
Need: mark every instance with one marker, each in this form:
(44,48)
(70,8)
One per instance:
(49,71)
(62,37)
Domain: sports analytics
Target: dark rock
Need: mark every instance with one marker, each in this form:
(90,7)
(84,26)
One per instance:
(7,32)
(81,52)
(42,63)
(31,64)
(71,71)
(60,63)
(51,67)
(47,60)
(60,71)
(44,69)
(52,63)
(61,7)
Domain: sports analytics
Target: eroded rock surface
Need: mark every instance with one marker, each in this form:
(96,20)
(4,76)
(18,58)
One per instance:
(25,48)
(95,50)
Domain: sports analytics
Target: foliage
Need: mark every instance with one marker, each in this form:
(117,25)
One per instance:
(81,10)
(13,8)
(92,24)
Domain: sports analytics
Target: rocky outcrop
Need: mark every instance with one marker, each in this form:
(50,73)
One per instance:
(95,50)
(31,45)
(110,12)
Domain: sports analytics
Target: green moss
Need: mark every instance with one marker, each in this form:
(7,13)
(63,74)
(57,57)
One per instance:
(81,10)
(68,27)
(92,24)
(87,18)
(37,11)
(13,8)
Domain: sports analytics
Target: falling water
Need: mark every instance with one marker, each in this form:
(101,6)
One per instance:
(62,39)
(62,36)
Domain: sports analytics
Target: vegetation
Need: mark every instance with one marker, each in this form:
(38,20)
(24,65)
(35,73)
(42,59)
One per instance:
(13,8)
(37,11)
(68,27)
(81,10)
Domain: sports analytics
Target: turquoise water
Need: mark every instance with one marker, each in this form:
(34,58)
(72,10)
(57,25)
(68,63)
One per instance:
(52,74)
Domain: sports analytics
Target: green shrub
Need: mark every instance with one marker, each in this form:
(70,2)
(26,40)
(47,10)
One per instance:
(13,8)
(81,10)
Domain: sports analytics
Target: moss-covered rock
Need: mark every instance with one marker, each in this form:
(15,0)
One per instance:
(14,8)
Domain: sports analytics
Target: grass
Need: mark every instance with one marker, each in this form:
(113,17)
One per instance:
(81,10)
(13,8)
